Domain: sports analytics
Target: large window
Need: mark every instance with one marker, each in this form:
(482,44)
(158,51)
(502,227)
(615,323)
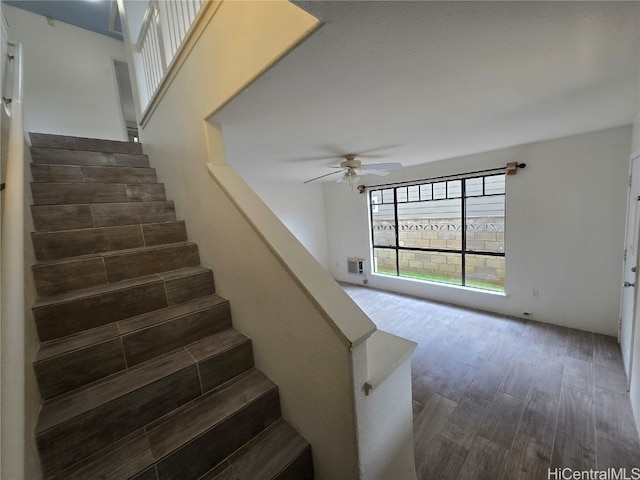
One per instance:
(443,231)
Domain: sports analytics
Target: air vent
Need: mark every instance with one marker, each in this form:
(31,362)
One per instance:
(355,266)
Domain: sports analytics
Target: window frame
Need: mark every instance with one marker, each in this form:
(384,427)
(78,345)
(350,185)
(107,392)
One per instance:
(463,251)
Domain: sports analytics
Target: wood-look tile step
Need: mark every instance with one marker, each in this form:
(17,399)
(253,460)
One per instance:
(72,427)
(62,315)
(71,362)
(278,453)
(59,156)
(156,333)
(221,357)
(85,241)
(128,459)
(76,193)
(85,174)
(51,218)
(192,440)
(53,277)
(47,140)
(144,454)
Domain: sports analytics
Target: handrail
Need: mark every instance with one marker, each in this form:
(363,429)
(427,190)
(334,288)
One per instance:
(12,319)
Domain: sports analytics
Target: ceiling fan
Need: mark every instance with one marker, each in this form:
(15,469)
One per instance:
(351,168)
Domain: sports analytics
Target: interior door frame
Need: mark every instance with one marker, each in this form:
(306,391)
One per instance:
(635,157)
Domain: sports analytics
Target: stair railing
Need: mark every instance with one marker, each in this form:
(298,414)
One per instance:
(163,30)
(12,308)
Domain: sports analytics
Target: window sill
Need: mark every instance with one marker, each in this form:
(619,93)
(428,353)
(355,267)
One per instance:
(439,284)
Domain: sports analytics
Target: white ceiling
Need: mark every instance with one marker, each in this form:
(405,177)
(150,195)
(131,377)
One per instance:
(418,82)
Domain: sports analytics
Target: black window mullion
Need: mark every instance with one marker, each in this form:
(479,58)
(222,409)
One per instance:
(373,235)
(395,215)
(463,200)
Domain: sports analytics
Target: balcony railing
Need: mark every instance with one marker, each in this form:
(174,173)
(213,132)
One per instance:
(165,26)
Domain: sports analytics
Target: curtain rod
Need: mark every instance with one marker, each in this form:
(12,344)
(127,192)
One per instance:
(510,169)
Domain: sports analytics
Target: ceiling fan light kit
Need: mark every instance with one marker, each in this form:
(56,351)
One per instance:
(351,169)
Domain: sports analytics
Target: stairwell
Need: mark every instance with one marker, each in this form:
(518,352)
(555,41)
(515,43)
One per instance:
(141,372)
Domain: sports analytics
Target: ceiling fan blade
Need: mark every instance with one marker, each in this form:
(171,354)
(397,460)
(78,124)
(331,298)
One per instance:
(382,166)
(381,173)
(322,176)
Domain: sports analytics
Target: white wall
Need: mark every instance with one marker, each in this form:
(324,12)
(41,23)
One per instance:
(635,145)
(301,209)
(294,312)
(70,84)
(565,225)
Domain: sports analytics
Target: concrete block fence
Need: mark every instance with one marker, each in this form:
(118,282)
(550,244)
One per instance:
(483,233)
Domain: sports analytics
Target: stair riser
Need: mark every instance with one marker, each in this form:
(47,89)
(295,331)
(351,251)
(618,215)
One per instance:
(53,156)
(130,461)
(65,372)
(66,276)
(76,193)
(78,438)
(210,448)
(300,469)
(73,243)
(149,474)
(45,140)
(124,266)
(151,342)
(183,289)
(85,174)
(76,315)
(50,218)
(82,313)
(80,367)
(216,370)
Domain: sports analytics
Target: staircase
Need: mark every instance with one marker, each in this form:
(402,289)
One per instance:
(141,373)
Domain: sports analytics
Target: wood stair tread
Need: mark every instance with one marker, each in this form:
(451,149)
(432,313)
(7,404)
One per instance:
(63,275)
(99,290)
(65,407)
(201,414)
(170,313)
(63,156)
(113,253)
(50,193)
(60,346)
(120,461)
(162,438)
(84,229)
(49,218)
(72,404)
(89,174)
(70,142)
(92,240)
(215,344)
(265,457)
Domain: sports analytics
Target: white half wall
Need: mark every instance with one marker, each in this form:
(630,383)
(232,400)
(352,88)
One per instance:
(70,86)
(565,222)
(301,209)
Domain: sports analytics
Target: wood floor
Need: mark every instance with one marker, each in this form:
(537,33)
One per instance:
(501,398)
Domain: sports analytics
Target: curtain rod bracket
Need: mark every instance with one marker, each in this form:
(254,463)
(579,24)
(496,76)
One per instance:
(512,167)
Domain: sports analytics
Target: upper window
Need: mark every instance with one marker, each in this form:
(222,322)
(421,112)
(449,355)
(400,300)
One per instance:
(444,231)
